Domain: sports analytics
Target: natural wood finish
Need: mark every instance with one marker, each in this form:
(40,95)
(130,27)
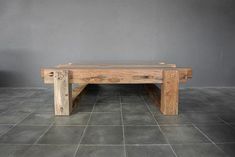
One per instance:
(77,94)
(62,93)
(168,75)
(170,92)
(78,90)
(116,75)
(70,65)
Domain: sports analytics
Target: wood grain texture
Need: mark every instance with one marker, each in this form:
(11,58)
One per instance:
(77,94)
(108,76)
(168,75)
(170,92)
(116,75)
(104,66)
(62,93)
(78,90)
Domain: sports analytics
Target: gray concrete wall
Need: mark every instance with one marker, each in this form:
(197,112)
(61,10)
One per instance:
(195,33)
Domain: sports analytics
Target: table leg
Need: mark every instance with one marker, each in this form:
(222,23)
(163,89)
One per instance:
(170,92)
(62,93)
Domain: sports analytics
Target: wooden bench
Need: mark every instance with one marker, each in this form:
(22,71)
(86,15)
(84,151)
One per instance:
(167,75)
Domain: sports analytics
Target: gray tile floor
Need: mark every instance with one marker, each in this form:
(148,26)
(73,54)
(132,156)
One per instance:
(117,121)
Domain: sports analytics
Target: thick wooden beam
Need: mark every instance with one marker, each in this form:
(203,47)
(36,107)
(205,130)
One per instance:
(116,75)
(62,93)
(170,92)
(108,76)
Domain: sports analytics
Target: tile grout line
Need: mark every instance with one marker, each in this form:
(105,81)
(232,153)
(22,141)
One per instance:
(159,127)
(16,124)
(203,133)
(84,131)
(111,145)
(208,138)
(189,124)
(9,109)
(224,121)
(43,133)
(123,128)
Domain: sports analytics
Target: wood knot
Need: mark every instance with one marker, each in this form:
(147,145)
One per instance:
(51,74)
(60,76)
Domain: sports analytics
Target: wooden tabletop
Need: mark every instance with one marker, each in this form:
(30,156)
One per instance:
(114,66)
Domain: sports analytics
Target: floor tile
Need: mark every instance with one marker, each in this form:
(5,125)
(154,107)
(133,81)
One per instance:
(183,134)
(100,151)
(10,92)
(108,99)
(105,118)
(62,135)
(150,151)
(25,108)
(23,134)
(51,151)
(196,150)
(172,120)
(153,107)
(144,118)
(13,150)
(4,128)
(229,118)
(229,149)
(103,135)
(38,119)
(107,107)
(12,117)
(144,135)
(7,104)
(218,133)
(208,108)
(134,107)
(197,118)
(78,118)
(131,99)
(84,108)
(45,108)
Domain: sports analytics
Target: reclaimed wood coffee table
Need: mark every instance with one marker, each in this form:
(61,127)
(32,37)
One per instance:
(167,75)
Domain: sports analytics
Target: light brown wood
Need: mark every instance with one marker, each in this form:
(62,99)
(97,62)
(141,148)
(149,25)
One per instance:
(77,94)
(103,66)
(62,93)
(78,90)
(168,75)
(116,75)
(170,92)
(109,76)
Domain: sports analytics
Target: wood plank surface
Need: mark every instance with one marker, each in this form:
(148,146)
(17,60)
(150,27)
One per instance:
(116,75)
(62,93)
(170,92)
(104,66)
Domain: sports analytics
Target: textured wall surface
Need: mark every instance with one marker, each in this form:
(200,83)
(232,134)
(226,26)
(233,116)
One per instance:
(195,33)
